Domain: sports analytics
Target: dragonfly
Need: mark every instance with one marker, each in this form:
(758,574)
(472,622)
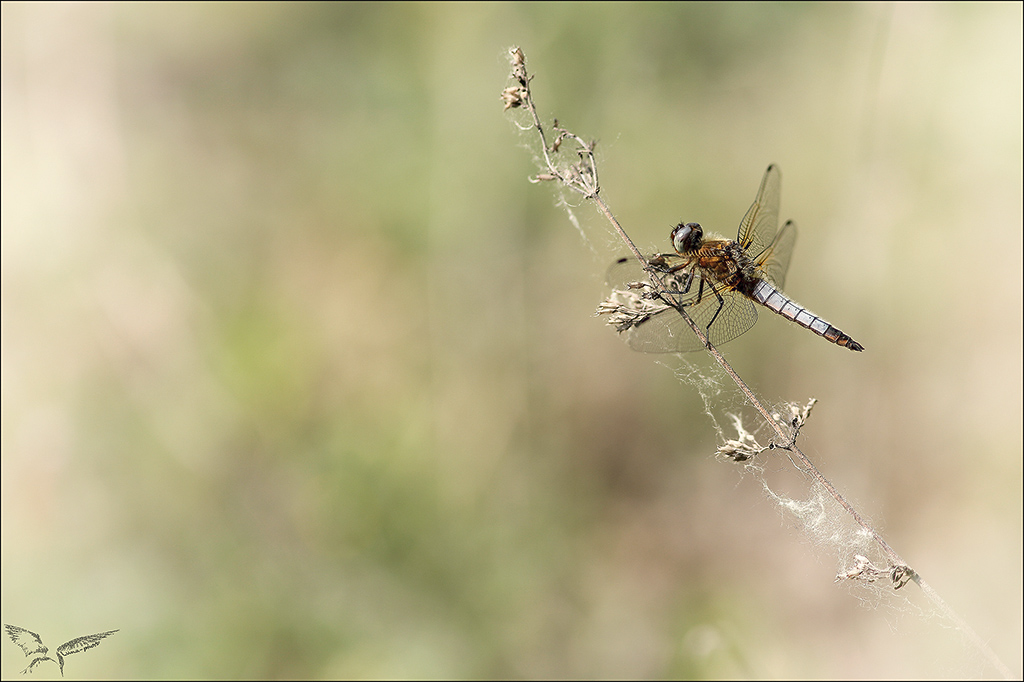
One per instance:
(716,281)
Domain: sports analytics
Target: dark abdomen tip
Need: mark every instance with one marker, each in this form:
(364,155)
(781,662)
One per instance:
(853,345)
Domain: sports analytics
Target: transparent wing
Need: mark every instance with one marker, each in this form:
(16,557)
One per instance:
(774,260)
(757,229)
(651,323)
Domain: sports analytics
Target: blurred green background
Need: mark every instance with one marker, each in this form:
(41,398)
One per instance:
(301,378)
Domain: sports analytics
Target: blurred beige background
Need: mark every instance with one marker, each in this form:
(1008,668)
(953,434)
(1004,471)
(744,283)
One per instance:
(301,378)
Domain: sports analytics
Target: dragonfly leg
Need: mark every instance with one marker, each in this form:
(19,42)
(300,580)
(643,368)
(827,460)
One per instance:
(673,292)
(689,277)
(721,303)
(689,281)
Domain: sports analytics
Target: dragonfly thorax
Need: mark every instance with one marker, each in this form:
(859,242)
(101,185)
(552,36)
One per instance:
(687,237)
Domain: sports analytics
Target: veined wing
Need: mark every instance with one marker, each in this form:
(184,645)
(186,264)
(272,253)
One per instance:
(757,229)
(774,260)
(650,320)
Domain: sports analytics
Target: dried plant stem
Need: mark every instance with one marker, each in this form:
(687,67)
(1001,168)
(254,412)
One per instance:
(581,177)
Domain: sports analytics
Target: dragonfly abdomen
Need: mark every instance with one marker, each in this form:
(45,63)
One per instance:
(773,299)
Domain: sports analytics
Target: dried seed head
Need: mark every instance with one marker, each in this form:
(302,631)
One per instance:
(513,97)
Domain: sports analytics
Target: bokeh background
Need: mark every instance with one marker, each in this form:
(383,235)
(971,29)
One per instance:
(301,378)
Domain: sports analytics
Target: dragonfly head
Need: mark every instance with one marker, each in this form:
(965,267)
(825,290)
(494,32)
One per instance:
(687,237)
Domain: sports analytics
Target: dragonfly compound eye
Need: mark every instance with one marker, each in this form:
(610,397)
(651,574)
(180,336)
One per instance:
(687,237)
